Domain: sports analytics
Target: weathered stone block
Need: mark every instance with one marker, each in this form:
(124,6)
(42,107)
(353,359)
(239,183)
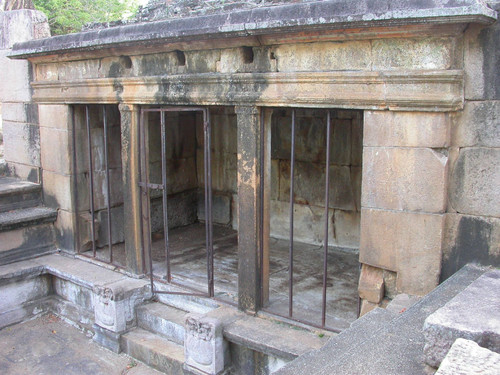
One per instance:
(55,116)
(55,150)
(22,143)
(20,112)
(309,185)
(371,284)
(74,293)
(328,56)
(204,345)
(221,208)
(477,125)
(357,142)
(14,76)
(406,129)
(404,53)
(57,190)
(65,230)
(404,179)
(467,357)
(24,172)
(22,25)
(407,243)
(366,307)
(117,230)
(475,179)
(469,239)
(308,225)
(464,317)
(345,225)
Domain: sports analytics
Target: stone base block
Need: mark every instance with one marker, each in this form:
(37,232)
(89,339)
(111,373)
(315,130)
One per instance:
(371,284)
(107,338)
(367,306)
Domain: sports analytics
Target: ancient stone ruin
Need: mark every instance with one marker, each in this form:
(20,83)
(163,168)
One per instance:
(214,167)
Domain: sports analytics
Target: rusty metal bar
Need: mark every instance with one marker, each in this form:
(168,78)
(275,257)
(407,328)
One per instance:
(91,179)
(303,321)
(108,184)
(145,191)
(74,164)
(261,207)
(208,202)
(164,186)
(290,256)
(327,204)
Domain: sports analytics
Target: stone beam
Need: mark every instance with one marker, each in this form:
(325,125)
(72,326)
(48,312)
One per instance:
(440,90)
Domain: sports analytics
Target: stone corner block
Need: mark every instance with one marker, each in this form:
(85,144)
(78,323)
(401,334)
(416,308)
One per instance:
(472,314)
(467,357)
(203,345)
(371,284)
(115,304)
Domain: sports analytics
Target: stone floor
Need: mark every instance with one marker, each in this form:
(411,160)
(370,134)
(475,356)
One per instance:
(188,267)
(49,346)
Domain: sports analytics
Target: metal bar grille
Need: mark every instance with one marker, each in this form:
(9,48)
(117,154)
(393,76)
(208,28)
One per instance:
(146,186)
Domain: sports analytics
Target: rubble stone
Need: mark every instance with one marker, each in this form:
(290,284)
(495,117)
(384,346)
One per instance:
(472,314)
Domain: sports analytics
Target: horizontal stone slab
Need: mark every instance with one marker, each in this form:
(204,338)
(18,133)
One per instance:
(301,17)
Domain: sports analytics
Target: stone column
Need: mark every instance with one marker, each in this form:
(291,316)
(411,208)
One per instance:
(131,193)
(404,197)
(20,116)
(249,267)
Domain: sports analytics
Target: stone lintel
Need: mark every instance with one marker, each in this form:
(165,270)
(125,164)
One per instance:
(303,17)
(435,91)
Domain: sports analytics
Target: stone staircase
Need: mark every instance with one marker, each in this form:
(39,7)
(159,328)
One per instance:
(26,226)
(158,340)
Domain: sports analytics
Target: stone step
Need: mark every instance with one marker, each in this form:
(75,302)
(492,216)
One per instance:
(166,321)
(155,351)
(26,233)
(15,194)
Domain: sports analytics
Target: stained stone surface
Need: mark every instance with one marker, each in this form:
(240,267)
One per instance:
(48,345)
(472,314)
(467,357)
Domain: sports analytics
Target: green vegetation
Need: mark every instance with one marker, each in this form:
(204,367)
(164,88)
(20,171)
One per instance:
(68,16)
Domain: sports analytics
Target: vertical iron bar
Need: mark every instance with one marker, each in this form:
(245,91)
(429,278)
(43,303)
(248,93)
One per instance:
(208,202)
(327,204)
(91,180)
(147,216)
(75,182)
(164,183)
(261,208)
(290,256)
(108,183)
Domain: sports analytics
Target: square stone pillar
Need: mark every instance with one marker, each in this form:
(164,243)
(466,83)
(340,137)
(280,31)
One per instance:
(249,203)
(404,196)
(130,117)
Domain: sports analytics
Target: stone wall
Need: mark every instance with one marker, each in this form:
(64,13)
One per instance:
(472,227)
(19,115)
(309,185)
